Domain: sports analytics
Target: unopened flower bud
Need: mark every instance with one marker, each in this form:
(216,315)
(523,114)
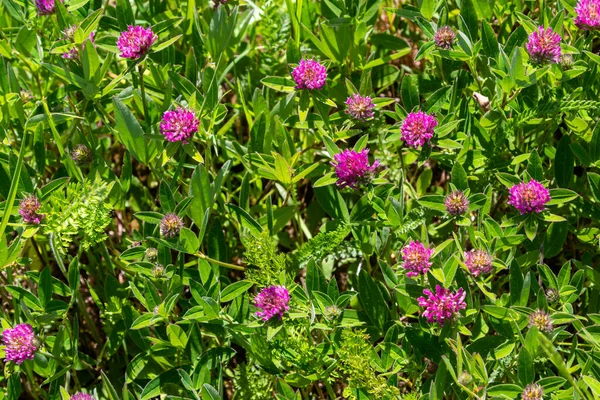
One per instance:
(81,154)
(170,225)
(151,254)
(444,37)
(552,295)
(465,378)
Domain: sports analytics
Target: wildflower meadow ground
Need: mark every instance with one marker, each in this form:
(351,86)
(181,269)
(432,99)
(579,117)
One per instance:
(300,199)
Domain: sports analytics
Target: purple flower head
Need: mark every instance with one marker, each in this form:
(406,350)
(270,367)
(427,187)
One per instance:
(544,46)
(82,396)
(533,391)
(272,300)
(417,129)
(588,14)
(309,74)
(359,107)
(444,37)
(135,42)
(19,343)
(416,259)
(179,125)
(45,7)
(352,168)
(456,203)
(28,209)
(541,320)
(443,305)
(479,262)
(170,225)
(528,197)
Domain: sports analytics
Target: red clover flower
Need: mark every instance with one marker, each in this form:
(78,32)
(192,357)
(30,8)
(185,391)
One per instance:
(528,197)
(541,320)
(444,37)
(417,129)
(442,306)
(588,14)
(179,125)
(170,225)
(352,168)
(309,74)
(544,46)
(272,300)
(456,203)
(359,107)
(28,209)
(135,42)
(416,259)
(533,391)
(20,343)
(45,7)
(479,262)
(82,396)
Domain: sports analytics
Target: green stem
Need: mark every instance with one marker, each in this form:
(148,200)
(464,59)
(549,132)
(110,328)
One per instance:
(221,263)
(143,90)
(12,193)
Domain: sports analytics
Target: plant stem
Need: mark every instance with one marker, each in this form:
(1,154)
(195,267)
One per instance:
(221,263)
(143,90)
(12,193)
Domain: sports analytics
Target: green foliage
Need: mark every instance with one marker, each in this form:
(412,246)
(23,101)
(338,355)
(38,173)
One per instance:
(79,213)
(322,245)
(267,265)
(252,383)
(355,356)
(122,310)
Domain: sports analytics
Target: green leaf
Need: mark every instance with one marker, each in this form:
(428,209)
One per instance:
(489,40)
(210,393)
(594,149)
(177,336)
(505,390)
(531,226)
(534,167)
(410,93)
(434,202)
(28,298)
(131,135)
(561,196)
(110,389)
(564,163)
(594,181)
(165,44)
(279,83)
(245,219)
(372,300)
(234,290)
(45,287)
(188,241)
(459,177)
(428,8)
(468,14)
(167,202)
(124,14)
(525,369)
